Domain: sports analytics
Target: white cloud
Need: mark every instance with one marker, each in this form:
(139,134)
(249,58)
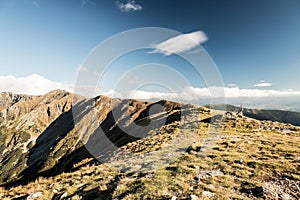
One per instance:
(37,85)
(262,83)
(129,6)
(33,84)
(194,93)
(232,85)
(181,43)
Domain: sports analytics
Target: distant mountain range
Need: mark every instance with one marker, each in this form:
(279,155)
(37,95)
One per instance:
(262,114)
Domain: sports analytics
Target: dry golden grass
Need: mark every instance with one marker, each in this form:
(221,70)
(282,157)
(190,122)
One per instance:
(245,157)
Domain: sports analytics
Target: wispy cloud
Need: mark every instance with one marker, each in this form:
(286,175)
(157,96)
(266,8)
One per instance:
(262,84)
(33,84)
(181,43)
(83,69)
(85,2)
(129,6)
(36,4)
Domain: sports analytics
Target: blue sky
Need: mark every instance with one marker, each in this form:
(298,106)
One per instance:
(251,42)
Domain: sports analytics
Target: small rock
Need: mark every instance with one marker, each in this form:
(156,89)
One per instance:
(150,175)
(173,198)
(210,173)
(80,185)
(76,197)
(34,195)
(211,186)
(64,195)
(138,167)
(208,194)
(285,196)
(194,197)
(102,187)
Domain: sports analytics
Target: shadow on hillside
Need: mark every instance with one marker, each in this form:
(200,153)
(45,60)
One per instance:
(110,135)
(212,119)
(47,141)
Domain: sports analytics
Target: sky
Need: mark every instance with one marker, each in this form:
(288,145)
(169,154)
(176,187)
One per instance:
(254,46)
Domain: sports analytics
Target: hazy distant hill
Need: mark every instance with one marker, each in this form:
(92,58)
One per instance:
(261,114)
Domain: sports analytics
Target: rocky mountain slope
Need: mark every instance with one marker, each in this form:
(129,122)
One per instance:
(49,145)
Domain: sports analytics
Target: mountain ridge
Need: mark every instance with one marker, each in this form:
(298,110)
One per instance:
(282,116)
(52,141)
(52,113)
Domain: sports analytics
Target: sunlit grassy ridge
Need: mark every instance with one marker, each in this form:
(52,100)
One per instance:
(251,159)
